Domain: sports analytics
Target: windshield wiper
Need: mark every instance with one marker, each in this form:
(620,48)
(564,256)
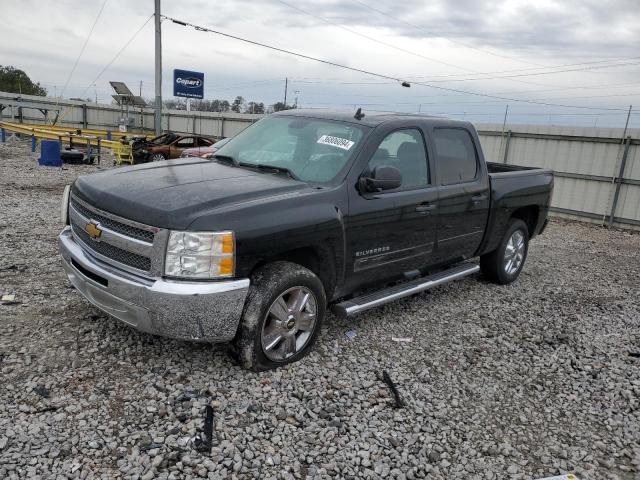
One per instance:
(229,160)
(269,168)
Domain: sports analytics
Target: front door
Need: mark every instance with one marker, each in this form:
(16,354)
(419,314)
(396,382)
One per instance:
(392,232)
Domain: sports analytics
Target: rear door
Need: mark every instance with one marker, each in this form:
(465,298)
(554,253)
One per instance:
(463,198)
(392,232)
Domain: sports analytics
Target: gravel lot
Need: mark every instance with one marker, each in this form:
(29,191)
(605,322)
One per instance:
(524,381)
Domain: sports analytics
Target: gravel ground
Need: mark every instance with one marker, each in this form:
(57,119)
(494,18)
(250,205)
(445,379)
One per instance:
(522,381)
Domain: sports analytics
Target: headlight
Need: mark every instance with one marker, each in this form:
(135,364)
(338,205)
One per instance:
(64,207)
(200,255)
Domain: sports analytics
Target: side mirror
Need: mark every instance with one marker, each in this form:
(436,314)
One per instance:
(381,178)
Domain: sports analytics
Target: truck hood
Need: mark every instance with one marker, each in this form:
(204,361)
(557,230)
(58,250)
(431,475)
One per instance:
(174,193)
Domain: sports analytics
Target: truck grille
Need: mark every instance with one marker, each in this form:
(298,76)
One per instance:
(114,253)
(125,248)
(123,228)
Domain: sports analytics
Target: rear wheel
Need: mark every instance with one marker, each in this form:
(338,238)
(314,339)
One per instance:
(505,263)
(283,313)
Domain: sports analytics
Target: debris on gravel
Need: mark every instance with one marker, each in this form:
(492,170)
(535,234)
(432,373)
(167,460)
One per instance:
(528,380)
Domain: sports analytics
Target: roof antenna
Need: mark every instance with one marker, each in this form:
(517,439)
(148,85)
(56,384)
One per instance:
(359,115)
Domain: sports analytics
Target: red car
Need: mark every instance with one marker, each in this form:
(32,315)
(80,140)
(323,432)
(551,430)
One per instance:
(204,152)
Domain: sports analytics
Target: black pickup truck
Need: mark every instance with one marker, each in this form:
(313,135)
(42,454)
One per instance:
(301,212)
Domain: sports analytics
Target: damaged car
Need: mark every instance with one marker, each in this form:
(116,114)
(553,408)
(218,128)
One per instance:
(166,146)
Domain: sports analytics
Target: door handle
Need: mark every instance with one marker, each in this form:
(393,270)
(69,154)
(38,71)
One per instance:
(479,198)
(425,208)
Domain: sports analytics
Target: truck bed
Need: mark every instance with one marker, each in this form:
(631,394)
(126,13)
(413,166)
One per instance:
(514,187)
(499,169)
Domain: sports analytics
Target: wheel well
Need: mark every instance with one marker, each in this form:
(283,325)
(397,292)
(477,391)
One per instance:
(311,258)
(529,215)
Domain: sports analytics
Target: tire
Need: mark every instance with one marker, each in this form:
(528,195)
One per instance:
(266,340)
(495,266)
(74,157)
(158,157)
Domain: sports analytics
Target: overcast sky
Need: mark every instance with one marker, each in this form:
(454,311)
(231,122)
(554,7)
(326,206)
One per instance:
(460,45)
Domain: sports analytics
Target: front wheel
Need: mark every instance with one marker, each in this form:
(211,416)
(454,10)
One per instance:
(505,263)
(282,316)
(158,157)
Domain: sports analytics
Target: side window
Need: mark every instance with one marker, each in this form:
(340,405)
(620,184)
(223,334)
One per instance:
(404,150)
(455,155)
(185,143)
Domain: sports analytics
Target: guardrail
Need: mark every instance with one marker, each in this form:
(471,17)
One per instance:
(120,149)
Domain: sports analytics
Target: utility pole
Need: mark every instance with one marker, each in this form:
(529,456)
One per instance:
(286,81)
(158,108)
(141,111)
(504,124)
(621,174)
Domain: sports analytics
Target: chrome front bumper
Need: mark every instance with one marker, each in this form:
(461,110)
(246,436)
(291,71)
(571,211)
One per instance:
(202,311)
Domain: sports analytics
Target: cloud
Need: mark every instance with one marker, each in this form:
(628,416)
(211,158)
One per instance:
(44,38)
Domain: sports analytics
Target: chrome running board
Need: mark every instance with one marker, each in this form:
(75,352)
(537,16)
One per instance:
(375,299)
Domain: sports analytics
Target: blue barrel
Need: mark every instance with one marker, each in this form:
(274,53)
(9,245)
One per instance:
(50,153)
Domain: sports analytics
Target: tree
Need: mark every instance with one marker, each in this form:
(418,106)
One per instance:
(254,107)
(278,106)
(238,104)
(215,105)
(175,104)
(16,81)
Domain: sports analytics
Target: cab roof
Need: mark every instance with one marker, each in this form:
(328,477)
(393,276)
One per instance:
(370,119)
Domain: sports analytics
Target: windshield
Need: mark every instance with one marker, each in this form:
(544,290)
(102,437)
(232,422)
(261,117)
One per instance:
(312,150)
(164,139)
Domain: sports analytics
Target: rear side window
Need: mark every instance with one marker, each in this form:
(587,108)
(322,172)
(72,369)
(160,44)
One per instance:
(185,143)
(456,155)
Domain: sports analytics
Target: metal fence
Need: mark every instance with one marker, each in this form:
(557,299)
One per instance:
(77,114)
(597,170)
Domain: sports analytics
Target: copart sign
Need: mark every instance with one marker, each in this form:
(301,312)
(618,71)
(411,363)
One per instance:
(188,84)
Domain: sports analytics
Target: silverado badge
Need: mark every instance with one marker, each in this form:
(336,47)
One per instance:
(93,230)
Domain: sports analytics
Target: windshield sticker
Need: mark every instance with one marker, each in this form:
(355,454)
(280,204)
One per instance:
(342,143)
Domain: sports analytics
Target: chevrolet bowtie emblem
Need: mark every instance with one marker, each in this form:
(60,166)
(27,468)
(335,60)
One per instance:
(93,230)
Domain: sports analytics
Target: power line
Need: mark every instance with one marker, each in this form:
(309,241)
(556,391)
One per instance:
(115,57)
(281,50)
(538,66)
(550,69)
(329,81)
(84,46)
(510,78)
(305,12)
(581,69)
(374,74)
(457,42)
(122,49)
(329,22)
